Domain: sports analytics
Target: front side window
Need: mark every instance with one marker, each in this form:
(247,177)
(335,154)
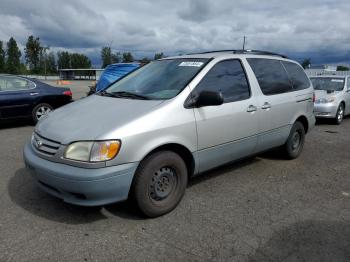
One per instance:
(159,80)
(297,76)
(328,83)
(227,77)
(9,83)
(271,76)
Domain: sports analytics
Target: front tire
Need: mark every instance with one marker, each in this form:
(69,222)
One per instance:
(340,114)
(40,110)
(295,142)
(160,183)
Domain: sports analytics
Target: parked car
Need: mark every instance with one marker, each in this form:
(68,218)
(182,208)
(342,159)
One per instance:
(332,97)
(168,121)
(22,97)
(111,74)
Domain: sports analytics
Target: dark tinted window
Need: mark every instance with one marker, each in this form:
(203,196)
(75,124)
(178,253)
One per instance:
(271,75)
(297,76)
(227,77)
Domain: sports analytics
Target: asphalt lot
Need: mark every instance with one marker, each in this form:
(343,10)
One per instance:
(260,209)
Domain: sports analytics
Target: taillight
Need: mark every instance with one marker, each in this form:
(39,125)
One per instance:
(67,93)
(314,97)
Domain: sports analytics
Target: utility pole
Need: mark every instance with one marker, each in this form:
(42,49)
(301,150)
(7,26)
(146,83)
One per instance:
(244,38)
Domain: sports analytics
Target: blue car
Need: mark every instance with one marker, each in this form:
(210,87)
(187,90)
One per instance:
(112,73)
(22,97)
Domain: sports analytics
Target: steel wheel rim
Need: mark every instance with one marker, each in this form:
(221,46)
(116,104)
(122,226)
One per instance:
(296,140)
(340,114)
(42,111)
(163,183)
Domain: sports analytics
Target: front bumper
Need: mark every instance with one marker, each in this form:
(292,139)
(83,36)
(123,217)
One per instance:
(81,186)
(326,110)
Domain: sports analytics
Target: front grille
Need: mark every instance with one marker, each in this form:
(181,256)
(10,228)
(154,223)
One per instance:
(45,145)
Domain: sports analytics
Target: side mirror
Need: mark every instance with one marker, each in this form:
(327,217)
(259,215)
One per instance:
(208,98)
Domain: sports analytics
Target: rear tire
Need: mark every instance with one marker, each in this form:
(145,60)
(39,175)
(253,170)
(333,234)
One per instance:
(160,183)
(340,114)
(40,110)
(295,142)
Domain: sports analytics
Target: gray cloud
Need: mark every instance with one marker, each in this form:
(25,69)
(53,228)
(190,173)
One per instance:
(144,27)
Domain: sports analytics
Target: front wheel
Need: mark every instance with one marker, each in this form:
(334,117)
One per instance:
(340,115)
(41,110)
(160,183)
(295,143)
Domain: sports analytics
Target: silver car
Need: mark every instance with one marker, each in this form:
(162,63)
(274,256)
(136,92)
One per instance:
(172,119)
(332,97)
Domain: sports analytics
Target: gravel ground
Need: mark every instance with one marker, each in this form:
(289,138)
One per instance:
(261,209)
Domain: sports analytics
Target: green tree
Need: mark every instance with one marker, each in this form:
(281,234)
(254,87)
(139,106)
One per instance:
(306,63)
(13,56)
(127,57)
(145,60)
(51,63)
(342,68)
(33,54)
(2,58)
(80,61)
(158,56)
(63,60)
(108,57)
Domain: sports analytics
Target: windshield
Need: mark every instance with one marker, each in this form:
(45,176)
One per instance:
(332,84)
(162,79)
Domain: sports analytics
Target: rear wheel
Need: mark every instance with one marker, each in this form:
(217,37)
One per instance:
(160,183)
(340,114)
(295,143)
(41,110)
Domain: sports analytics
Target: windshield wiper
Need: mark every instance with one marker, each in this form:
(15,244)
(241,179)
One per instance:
(105,93)
(129,95)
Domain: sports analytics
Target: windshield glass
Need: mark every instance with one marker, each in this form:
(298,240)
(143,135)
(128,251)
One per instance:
(332,84)
(158,80)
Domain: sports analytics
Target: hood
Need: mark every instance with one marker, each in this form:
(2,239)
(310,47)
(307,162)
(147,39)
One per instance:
(91,117)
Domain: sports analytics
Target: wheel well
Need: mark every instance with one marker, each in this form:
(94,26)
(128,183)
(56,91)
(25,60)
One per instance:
(342,102)
(303,120)
(182,151)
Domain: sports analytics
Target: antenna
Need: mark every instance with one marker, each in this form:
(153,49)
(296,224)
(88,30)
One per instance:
(244,40)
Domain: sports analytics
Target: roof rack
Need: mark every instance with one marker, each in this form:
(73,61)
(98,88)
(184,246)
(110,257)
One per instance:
(241,51)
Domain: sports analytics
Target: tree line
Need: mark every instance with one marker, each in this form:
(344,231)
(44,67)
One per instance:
(37,58)
(108,57)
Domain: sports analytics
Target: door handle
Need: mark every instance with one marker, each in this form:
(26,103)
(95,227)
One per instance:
(34,94)
(251,109)
(266,106)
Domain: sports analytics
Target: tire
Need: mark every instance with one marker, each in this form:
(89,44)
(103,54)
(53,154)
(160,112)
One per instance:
(40,110)
(159,183)
(340,114)
(295,142)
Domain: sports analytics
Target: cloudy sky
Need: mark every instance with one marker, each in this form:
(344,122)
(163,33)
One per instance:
(319,29)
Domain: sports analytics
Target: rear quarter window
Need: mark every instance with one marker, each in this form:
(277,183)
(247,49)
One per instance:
(297,76)
(271,76)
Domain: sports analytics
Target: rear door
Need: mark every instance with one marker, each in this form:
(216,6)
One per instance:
(347,94)
(17,96)
(278,104)
(228,131)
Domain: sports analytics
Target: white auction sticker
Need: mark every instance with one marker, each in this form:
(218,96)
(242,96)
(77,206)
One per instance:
(338,80)
(189,63)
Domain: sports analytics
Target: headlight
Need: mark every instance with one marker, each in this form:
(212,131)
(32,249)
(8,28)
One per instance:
(325,100)
(92,151)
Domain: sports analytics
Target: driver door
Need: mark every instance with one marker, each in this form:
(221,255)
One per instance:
(229,131)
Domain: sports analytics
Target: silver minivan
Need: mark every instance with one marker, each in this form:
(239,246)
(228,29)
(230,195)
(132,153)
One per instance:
(332,97)
(172,119)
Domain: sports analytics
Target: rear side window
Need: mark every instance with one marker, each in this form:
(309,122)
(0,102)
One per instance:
(348,83)
(297,76)
(271,76)
(229,78)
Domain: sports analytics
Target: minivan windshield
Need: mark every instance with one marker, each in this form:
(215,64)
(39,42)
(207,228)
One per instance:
(158,80)
(328,83)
